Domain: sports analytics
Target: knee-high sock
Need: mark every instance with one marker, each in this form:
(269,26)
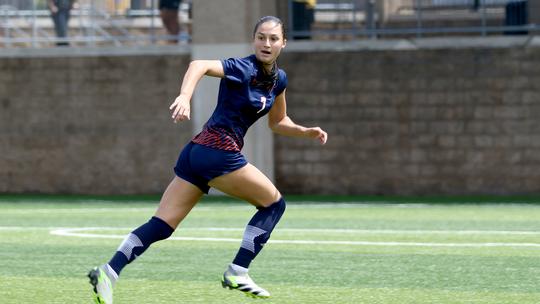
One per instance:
(258,232)
(138,241)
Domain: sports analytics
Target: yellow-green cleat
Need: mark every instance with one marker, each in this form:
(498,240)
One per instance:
(244,284)
(103,286)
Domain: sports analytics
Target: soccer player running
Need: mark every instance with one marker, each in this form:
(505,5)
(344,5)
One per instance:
(250,88)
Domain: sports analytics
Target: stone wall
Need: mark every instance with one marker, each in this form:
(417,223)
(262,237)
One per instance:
(404,117)
(422,121)
(89,124)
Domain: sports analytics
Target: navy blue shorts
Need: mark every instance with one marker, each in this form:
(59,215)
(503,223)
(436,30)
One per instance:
(199,164)
(169,4)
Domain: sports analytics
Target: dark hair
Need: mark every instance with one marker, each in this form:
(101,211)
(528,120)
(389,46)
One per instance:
(269,19)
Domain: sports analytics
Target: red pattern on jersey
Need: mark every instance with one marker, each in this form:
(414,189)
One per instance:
(219,139)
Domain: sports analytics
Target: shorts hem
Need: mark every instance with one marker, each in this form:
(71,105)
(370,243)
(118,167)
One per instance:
(233,170)
(205,189)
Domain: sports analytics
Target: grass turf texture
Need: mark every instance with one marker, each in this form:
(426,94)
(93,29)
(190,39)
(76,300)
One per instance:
(39,267)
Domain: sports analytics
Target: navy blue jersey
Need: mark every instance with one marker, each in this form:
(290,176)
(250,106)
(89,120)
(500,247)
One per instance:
(245,95)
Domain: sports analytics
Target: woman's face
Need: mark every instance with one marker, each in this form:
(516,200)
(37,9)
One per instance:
(268,42)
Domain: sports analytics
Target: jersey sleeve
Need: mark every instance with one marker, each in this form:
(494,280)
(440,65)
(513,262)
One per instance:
(235,69)
(282,82)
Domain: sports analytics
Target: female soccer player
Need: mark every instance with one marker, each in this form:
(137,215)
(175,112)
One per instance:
(250,88)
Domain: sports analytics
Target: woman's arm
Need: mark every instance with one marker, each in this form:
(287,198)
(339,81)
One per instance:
(281,124)
(197,69)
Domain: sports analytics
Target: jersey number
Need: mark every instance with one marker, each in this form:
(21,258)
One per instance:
(263,101)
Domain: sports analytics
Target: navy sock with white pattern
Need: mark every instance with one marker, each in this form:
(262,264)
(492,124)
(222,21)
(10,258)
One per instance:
(258,232)
(138,241)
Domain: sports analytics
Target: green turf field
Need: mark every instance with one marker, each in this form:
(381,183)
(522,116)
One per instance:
(349,252)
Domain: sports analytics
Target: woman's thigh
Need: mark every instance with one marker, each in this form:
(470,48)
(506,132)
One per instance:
(247,183)
(177,201)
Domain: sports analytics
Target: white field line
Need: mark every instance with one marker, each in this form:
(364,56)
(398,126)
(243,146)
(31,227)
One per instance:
(76,232)
(303,230)
(235,206)
(382,231)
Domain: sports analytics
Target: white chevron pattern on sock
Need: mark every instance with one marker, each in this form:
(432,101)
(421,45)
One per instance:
(128,244)
(248,242)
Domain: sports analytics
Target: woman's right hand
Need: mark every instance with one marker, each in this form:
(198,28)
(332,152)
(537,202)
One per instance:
(180,108)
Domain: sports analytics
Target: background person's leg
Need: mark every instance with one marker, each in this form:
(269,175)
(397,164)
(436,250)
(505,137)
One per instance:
(169,17)
(61,25)
(57,25)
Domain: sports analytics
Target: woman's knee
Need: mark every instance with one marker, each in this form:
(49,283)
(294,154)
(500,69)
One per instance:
(271,200)
(279,205)
(268,199)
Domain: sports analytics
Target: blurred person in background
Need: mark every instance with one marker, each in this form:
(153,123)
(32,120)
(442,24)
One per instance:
(168,10)
(60,12)
(303,17)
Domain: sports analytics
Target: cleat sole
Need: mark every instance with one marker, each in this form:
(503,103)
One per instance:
(225,284)
(93,276)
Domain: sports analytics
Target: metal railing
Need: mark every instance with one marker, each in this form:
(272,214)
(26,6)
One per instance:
(357,19)
(28,23)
